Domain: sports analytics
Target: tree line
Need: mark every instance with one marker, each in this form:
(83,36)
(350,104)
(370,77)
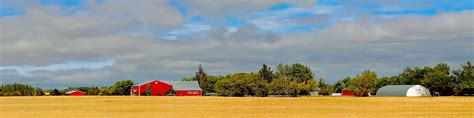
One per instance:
(292,80)
(119,88)
(298,79)
(20,90)
(438,79)
(288,80)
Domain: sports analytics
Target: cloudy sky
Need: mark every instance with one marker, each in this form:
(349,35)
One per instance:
(59,43)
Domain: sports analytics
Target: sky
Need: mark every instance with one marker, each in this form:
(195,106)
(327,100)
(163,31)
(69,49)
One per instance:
(61,43)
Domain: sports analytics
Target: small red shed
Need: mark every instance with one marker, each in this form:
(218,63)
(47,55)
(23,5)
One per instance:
(75,93)
(347,93)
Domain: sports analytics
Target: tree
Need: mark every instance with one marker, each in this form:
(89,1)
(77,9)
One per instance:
(201,76)
(189,79)
(171,92)
(104,91)
(20,90)
(308,86)
(284,86)
(92,91)
(280,86)
(364,83)
(437,79)
(240,84)
(463,79)
(148,90)
(209,84)
(342,84)
(55,92)
(260,88)
(324,88)
(38,92)
(413,76)
(296,71)
(224,87)
(266,73)
(121,87)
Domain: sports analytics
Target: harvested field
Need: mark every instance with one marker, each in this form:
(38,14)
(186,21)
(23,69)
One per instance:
(128,106)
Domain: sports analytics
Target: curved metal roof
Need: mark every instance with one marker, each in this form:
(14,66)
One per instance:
(394,90)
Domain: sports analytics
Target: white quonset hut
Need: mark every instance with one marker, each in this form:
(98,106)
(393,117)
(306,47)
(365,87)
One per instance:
(403,90)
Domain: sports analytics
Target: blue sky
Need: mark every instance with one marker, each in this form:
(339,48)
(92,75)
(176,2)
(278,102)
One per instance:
(60,43)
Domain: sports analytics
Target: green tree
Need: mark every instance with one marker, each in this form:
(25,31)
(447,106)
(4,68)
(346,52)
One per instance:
(38,92)
(20,90)
(280,86)
(463,79)
(413,76)
(201,76)
(92,91)
(171,92)
(189,79)
(55,92)
(342,84)
(437,79)
(296,71)
(148,90)
(266,73)
(104,91)
(209,83)
(324,88)
(121,87)
(224,87)
(364,83)
(284,86)
(260,88)
(239,84)
(308,86)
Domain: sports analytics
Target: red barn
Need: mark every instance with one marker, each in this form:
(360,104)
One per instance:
(75,93)
(159,88)
(347,93)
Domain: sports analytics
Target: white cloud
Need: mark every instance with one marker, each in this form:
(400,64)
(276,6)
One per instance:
(237,7)
(191,28)
(29,70)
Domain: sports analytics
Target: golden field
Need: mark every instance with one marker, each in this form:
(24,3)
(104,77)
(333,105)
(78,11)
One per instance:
(129,106)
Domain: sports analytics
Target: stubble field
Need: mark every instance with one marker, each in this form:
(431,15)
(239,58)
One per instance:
(128,106)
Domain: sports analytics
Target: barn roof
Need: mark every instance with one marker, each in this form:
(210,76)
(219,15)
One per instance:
(143,83)
(73,91)
(394,90)
(184,85)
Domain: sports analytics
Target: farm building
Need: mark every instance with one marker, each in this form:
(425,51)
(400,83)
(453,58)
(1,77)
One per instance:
(185,88)
(75,93)
(403,90)
(159,88)
(347,93)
